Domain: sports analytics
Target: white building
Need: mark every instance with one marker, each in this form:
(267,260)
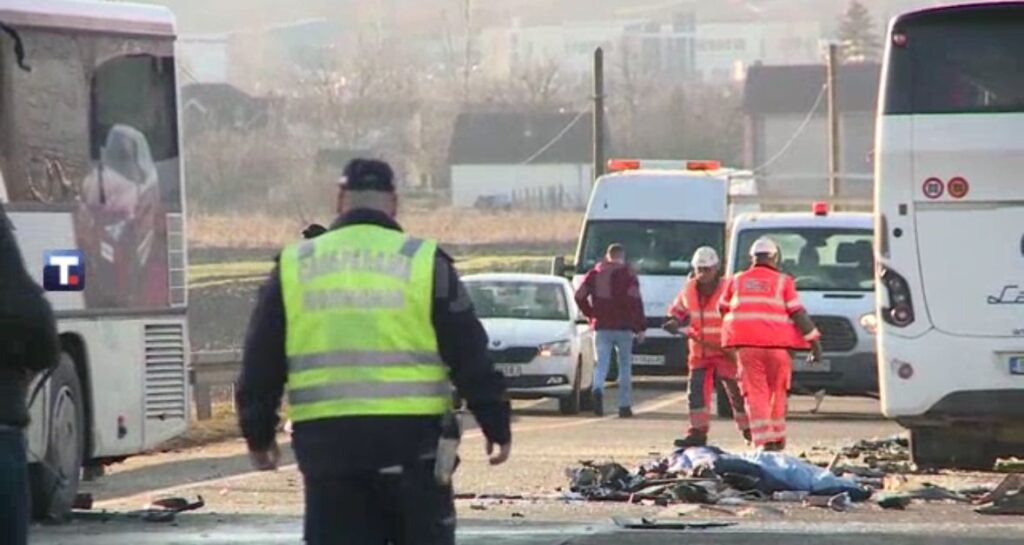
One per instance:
(519,159)
(726,49)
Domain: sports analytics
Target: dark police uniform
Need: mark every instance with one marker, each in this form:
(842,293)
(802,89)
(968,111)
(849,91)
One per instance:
(366,448)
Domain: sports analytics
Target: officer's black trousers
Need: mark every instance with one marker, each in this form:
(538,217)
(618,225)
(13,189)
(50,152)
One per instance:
(378,508)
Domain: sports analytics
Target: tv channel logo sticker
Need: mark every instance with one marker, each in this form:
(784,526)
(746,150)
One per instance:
(63,270)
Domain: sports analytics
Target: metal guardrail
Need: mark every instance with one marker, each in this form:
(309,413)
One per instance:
(212,369)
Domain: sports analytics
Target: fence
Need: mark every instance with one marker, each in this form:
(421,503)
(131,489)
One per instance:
(212,369)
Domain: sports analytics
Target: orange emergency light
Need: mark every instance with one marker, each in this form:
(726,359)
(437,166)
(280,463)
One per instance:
(820,208)
(703,165)
(616,165)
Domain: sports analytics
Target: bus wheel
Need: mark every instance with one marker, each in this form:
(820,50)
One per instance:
(55,479)
(949,448)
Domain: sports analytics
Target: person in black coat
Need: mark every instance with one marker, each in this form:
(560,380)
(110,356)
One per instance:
(28,345)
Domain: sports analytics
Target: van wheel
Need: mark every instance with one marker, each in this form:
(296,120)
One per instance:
(570,404)
(949,448)
(54,481)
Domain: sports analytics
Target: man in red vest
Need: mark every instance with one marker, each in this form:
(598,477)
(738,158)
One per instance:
(763,319)
(696,306)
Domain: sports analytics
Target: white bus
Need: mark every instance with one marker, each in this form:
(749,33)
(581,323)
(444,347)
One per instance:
(90,162)
(950,232)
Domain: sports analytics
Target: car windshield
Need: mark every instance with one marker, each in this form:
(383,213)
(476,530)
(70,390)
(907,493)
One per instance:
(819,259)
(518,300)
(652,247)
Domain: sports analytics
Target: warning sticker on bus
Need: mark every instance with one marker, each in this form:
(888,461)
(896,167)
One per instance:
(933,188)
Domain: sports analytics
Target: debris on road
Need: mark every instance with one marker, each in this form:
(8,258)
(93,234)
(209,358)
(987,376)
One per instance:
(1006,499)
(655,524)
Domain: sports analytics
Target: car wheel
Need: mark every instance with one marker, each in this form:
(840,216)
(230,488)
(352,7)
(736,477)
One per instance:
(54,481)
(570,404)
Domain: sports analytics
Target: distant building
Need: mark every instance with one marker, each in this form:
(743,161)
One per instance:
(502,159)
(214,106)
(778,99)
(726,49)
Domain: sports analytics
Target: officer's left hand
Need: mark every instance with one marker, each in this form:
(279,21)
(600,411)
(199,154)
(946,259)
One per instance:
(266,460)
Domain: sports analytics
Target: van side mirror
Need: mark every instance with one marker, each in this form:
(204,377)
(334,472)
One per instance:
(559,267)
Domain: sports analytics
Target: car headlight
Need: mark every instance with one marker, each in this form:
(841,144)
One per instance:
(870,323)
(557,348)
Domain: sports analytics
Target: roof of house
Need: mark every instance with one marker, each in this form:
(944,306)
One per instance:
(514,137)
(793,89)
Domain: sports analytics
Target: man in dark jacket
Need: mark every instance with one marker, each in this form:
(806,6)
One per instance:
(368,453)
(28,345)
(610,296)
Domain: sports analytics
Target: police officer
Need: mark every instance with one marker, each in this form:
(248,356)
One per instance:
(763,320)
(364,326)
(28,345)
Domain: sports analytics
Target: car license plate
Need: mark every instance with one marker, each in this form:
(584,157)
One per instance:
(648,359)
(1017,365)
(511,371)
(800,365)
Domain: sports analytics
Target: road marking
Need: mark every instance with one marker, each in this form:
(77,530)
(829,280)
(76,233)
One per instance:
(655,405)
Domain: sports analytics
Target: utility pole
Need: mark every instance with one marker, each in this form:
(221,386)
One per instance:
(831,70)
(598,113)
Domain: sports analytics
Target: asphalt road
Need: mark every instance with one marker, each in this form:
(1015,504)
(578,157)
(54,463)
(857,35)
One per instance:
(247,507)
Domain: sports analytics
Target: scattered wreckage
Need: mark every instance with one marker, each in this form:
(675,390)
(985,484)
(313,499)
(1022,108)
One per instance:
(872,471)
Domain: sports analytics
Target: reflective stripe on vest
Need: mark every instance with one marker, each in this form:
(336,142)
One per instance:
(758,314)
(359,338)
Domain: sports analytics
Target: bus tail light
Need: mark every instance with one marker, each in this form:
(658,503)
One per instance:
(901,311)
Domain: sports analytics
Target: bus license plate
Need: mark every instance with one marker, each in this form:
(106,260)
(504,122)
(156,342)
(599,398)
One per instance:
(648,359)
(1017,365)
(511,371)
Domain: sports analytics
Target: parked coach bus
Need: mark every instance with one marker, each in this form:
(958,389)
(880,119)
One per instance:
(950,232)
(90,167)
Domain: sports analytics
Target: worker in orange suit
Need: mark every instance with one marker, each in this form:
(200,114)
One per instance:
(763,320)
(696,308)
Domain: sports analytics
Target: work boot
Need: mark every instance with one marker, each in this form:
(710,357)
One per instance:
(625,412)
(696,438)
(748,437)
(774,446)
(598,399)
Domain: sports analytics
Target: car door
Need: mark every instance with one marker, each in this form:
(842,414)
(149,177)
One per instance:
(584,337)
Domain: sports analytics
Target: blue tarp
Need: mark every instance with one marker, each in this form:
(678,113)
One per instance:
(775,472)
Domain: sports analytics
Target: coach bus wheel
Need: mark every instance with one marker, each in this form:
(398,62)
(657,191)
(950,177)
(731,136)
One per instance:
(948,448)
(54,480)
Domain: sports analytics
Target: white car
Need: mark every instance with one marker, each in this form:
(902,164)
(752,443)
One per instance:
(536,336)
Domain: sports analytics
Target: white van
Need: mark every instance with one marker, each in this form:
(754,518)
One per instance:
(831,259)
(661,211)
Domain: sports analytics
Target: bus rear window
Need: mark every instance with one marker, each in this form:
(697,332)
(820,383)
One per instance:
(973,63)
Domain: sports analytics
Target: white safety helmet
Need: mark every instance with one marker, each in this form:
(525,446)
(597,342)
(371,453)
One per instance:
(764,245)
(705,256)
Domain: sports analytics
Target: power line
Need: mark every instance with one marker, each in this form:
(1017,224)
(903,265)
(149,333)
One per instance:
(555,140)
(799,130)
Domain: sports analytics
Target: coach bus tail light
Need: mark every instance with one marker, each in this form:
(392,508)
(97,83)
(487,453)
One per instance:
(901,311)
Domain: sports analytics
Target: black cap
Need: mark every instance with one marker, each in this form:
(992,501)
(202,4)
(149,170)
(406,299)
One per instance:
(368,175)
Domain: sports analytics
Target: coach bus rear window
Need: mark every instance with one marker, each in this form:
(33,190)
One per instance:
(971,64)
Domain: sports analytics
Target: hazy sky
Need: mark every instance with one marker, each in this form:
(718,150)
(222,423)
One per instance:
(216,16)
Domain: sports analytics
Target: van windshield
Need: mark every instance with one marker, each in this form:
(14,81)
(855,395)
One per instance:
(818,259)
(652,247)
